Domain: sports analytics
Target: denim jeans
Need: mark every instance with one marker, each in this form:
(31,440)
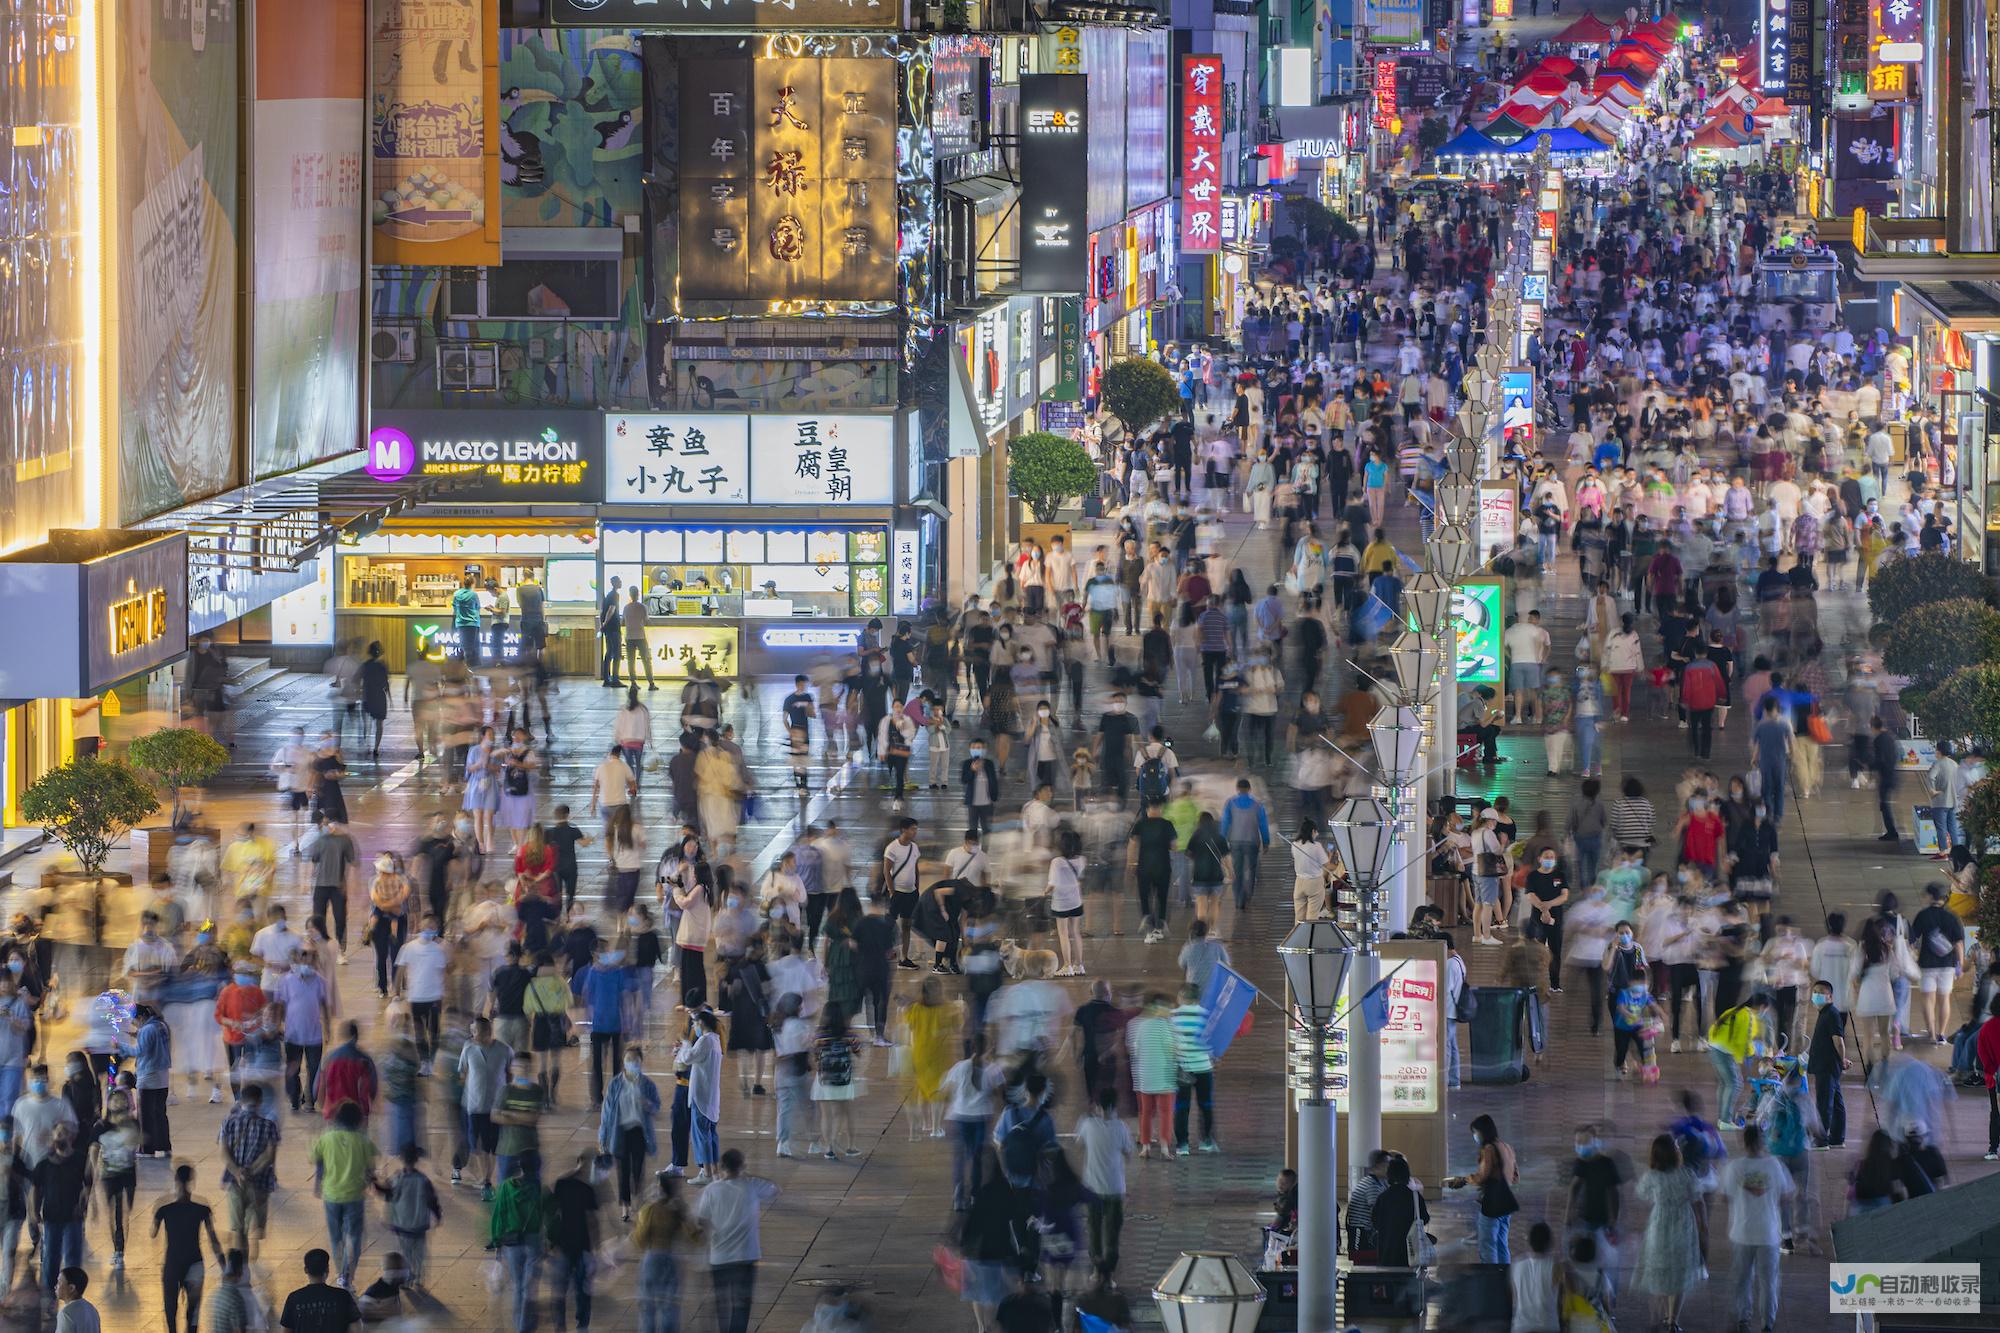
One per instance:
(1243,858)
(1183,879)
(1450,1053)
(735,1287)
(1946,819)
(404,1126)
(343,1235)
(571,1273)
(1728,1083)
(794,1092)
(1755,1278)
(10,1242)
(1493,1239)
(62,1247)
(1199,1090)
(521,1262)
(1589,743)
(659,1293)
(10,1088)
(967,1137)
(1589,853)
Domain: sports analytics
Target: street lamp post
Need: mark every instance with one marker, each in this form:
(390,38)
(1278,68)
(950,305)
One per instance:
(1317,955)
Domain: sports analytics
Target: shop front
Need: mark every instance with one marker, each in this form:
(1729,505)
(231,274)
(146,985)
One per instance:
(1955,382)
(524,489)
(757,541)
(107,608)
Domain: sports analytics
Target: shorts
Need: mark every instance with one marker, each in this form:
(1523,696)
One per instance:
(903,906)
(483,1133)
(1524,675)
(1067,913)
(1486,889)
(1938,980)
(299,800)
(1100,621)
(249,1208)
(1207,890)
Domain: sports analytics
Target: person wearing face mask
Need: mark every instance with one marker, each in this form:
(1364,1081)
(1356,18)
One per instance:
(420,975)
(1594,1203)
(237,1007)
(1548,894)
(17,1038)
(388,918)
(1699,835)
(625,1126)
(308,1012)
(602,987)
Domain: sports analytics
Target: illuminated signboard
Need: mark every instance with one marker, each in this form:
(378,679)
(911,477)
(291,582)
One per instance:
(1499,518)
(1385,92)
(499,457)
(1898,31)
(788,179)
(798,636)
(716,458)
(1517,409)
(440,643)
(732,14)
(138,619)
(1477,614)
(1774,43)
(677,649)
(1055,180)
(1412,1042)
(905,571)
(1201,154)
(1534,286)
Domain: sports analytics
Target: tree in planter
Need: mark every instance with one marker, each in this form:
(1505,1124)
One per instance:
(87,805)
(1139,392)
(1047,471)
(177,757)
(1930,642)
(1982,827)
(1901,586)
(1965,707)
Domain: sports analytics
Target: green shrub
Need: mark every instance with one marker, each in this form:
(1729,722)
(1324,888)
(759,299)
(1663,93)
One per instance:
(87,805)
(177,757)
(1046,471)
(1965,706)
(1930,642)
(1139,392)
(1901,586)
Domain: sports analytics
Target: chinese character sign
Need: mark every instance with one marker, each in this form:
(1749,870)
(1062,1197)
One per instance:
(1802,87)
(788,179)
(435,179)
(1385,92)
(677,650)
(1412,1040)
(677,459)
(906,572)
(1774,43)
(822,460)
(1895,32)
(1201,154)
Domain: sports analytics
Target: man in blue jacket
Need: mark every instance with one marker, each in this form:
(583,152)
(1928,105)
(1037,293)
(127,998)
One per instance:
(602,987)
(1247,826)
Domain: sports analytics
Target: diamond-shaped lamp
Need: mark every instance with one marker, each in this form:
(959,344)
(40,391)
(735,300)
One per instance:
(1362,830)
(1209,1292)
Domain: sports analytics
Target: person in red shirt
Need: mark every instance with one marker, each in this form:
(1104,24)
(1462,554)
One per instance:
(1663,574)
(1700,835)
(237,1008)
(1987,1044)
(348,1076)
(1701,691)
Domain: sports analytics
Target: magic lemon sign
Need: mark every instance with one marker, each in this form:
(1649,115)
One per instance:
(499,457)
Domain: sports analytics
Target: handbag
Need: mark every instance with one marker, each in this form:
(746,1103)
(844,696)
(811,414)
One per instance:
(1423,1248)
(1492,865)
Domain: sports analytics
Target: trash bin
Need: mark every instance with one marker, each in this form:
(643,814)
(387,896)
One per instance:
(1506,1028)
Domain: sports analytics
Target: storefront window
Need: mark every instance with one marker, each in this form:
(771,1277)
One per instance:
(754,570)
(421,570)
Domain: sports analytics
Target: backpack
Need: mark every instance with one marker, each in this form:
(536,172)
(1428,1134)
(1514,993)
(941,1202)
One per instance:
(514,781)
(1153,778)
(1467,1007)
(1020,1153)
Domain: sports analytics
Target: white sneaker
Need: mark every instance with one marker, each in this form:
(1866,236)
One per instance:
(1675,1048)
(214,1096)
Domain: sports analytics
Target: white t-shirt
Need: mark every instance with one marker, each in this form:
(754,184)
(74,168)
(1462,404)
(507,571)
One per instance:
(1066,883)
(274,946)
(963,1101)
(1107,1142)
(423,964)
(1756,1186)
(614,784)
(1527,642)
(730,1209)
(1533,1281)
(899,865)
(967,863)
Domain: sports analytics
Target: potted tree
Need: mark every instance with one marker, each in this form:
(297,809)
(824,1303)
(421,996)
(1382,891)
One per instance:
(1139,392)
(87,805)
(1046,471)
(175,758)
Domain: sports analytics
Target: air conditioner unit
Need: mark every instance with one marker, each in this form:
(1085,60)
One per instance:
(393,343)
(471,367)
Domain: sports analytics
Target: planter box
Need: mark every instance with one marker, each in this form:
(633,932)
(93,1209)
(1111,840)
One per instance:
(150,846)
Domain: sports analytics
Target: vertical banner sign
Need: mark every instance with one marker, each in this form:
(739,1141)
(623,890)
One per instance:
(1385,92)
(1055,173)
(1896,35)
(434,186)
(1774,44)
(311,132)
(177,202)
(904,573)
(1800,88)
(1069,351)
(1201,154)
(1517,409)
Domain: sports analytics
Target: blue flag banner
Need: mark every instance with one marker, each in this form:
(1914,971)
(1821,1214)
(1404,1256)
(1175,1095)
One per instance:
(1375,1006)
(1228,1000)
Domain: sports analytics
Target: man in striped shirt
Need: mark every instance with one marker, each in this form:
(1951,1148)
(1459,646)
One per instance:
(1197,1070)
(1212,631)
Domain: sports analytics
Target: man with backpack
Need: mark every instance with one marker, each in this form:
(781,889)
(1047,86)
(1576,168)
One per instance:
(1157,766)
(1461,1006)
(1026,1134)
